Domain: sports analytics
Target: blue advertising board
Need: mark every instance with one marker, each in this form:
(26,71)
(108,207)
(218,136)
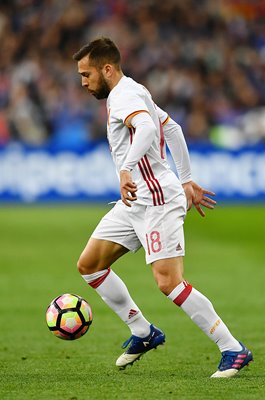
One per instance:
(232,175)
(43,175)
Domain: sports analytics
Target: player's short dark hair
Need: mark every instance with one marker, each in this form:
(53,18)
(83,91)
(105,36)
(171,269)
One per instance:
(100,51)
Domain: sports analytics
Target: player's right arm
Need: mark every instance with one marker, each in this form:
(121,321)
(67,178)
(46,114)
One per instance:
(130,108)
(144,135)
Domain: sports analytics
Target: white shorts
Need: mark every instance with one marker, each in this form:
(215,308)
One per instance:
(159,229)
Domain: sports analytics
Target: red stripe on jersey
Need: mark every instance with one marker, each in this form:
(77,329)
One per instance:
(150,179)
(108,116)
(155,179)
(131,135)
(147,182)
(162,140)
(179,300)
(97,282)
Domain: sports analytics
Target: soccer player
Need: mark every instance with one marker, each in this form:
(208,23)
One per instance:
(151,211)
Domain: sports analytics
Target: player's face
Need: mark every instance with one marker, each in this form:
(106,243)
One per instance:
(93,80)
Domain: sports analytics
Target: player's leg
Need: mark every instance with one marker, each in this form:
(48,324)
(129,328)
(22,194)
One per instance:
(166,239)
(98,254)
(168,275)
(95,267)
(169,278)
(95,263)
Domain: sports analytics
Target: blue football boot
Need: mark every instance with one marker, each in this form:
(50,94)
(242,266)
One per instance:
(232,362)
(139,346)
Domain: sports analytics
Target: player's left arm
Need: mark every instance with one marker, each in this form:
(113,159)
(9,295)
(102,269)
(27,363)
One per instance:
(144,135)
(195,194)
(198,196)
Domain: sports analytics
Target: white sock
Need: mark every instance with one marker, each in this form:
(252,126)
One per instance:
(116,295)
(201,311)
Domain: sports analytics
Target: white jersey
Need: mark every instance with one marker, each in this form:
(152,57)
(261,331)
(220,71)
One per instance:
(157,184)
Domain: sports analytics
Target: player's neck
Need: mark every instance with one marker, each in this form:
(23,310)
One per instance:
(115,79)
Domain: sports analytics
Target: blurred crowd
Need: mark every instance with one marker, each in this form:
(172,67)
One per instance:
(203,61)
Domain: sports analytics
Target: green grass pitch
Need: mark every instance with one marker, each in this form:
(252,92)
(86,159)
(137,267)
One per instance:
(39,248)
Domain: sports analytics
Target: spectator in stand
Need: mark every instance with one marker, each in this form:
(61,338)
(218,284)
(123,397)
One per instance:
(206,68)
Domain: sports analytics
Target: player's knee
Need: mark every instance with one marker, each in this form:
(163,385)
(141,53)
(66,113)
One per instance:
(166,283)
(168,274)
(164,286)
(84,267)
(89,265)
(81,267)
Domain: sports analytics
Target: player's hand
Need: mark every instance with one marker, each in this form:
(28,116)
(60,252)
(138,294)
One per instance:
(128,188)
(197,196)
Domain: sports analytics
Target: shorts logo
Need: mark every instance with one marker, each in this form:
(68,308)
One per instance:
(132,313)
(178,248)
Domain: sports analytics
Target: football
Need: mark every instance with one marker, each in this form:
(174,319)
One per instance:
(69,316)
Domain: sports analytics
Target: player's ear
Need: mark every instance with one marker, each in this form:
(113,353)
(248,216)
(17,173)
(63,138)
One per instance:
(107,70)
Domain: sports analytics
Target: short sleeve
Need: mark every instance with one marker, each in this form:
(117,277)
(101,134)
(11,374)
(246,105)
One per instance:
(163,116)
(127,105)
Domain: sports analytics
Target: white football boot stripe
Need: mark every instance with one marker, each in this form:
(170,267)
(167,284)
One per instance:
(126,359)
(228,373)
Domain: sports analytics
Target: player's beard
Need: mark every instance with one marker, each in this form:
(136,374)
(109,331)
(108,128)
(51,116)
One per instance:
(103,89)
